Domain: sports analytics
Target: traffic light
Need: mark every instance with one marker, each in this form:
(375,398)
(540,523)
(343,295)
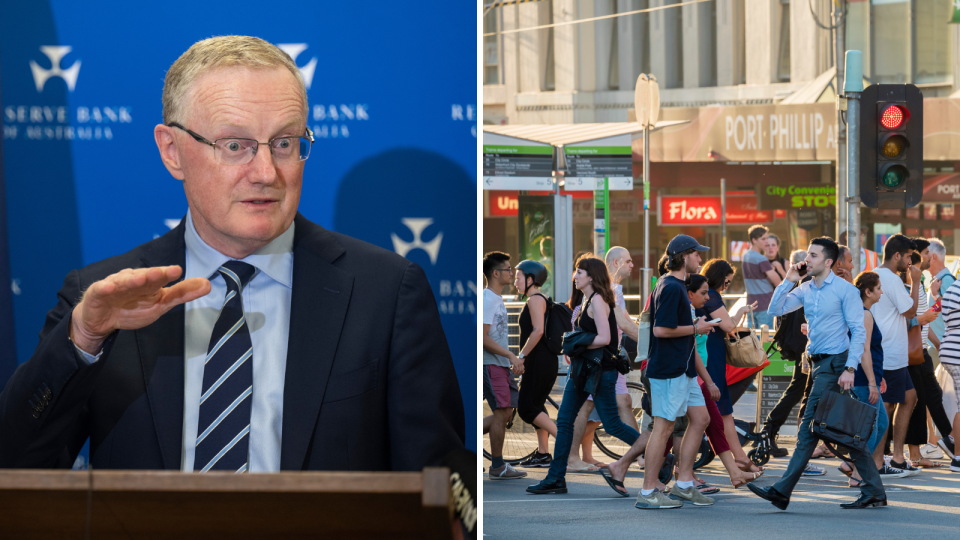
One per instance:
(891,146)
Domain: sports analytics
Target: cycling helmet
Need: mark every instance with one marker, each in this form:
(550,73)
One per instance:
(535,270)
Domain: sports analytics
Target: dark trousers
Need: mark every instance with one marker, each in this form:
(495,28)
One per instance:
(929,397)
(825,373)
(605,401)
(791,396)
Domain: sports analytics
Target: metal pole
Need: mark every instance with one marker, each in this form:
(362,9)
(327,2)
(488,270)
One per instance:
(646,272)
(842,194)
(723,216)
(852,87)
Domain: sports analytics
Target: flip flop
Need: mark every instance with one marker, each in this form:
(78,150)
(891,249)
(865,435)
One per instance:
(588,468)
(614,483)
(848,474)
(936,464)
(706,489)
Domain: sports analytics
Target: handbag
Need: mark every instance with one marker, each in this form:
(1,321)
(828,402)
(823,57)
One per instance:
(622,360)
(744,349)
(915,345)
(844,424)
(643,341)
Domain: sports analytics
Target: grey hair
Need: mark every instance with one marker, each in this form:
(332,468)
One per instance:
(216,53)
(937,248)
(797,256)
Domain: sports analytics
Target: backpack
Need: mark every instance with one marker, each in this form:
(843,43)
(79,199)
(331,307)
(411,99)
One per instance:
(788,337)
(556,322)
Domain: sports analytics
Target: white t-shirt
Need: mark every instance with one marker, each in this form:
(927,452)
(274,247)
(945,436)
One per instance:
(495,314)
(888,313)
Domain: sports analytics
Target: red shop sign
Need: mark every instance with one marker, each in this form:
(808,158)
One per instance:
(705,210)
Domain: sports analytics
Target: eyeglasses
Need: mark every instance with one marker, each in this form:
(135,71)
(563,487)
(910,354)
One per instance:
(727,282)
(507,269)
(231,151)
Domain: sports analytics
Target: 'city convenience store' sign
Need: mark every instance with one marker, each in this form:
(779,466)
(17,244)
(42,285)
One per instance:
(814,196)
(705,210)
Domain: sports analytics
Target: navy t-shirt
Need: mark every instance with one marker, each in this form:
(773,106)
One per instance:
(876,358)
(670,308)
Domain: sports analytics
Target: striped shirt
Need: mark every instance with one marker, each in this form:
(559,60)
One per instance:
(922,307)
(950,346)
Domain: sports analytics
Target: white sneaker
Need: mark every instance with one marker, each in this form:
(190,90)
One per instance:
(931,451)
(813,470)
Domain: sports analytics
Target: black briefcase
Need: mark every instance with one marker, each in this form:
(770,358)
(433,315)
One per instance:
(843,423)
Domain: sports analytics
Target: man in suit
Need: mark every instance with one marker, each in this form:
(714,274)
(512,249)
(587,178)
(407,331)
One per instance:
(247,338)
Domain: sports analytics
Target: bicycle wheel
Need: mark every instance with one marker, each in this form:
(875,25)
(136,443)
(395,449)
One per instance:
(520,438)
(610,445)
(706,454)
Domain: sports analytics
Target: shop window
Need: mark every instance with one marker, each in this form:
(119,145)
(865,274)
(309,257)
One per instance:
(491,47)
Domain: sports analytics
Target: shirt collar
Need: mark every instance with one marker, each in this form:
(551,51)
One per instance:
(826,280)
(274,259)
(942,273)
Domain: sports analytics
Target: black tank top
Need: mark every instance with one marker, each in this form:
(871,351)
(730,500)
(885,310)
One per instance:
(526,327)
(589,325)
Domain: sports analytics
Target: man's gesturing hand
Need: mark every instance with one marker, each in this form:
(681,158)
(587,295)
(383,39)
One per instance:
(130,300)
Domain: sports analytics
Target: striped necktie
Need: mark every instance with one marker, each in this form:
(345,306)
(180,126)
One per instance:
(225,404)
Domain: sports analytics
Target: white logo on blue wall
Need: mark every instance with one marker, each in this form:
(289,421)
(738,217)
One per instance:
(55,53)
(294,50)
(416,226)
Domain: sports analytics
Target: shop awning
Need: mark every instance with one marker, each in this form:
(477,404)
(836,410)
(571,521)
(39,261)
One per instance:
(565,134)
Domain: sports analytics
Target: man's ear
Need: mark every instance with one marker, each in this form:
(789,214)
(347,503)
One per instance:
(169,151)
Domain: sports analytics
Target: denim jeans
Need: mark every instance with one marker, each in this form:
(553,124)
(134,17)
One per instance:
(605,401)
(880,426)
(825,373)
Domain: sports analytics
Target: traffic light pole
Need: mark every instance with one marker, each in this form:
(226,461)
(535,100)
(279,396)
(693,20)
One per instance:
(852,87)
(646,272)
(839,30)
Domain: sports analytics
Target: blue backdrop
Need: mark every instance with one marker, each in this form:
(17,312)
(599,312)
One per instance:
(392,91)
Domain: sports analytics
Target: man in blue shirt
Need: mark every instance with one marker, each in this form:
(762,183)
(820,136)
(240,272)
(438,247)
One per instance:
(833,309)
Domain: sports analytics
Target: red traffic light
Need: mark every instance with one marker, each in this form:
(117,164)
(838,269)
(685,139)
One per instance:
(894,116)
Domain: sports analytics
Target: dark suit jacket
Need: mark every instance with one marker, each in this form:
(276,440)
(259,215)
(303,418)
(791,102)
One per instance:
(370,383)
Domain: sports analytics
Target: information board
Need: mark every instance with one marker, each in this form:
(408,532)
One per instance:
(589,163)
(516,164)
(774,380)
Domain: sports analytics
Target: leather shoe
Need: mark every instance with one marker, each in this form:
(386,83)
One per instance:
(546,486)
(771,495)
(866,502)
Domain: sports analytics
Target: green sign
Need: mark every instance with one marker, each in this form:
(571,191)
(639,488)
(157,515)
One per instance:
(770,197)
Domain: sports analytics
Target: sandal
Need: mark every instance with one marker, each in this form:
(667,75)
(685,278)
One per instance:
(933,464)
(588,468)
(856,485)
(747,466)
(706,489)
(824,452)
(614,483)
(738,485)
(848,474)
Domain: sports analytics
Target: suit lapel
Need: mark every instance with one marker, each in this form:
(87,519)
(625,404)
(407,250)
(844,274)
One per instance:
(161,354)
(321,294)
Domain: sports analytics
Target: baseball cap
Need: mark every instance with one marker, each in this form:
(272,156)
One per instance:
(683,242)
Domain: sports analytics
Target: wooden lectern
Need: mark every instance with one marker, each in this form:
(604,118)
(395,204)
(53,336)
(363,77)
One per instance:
(40,504)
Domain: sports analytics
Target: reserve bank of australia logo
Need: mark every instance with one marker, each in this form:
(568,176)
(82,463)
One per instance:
(294,50)
(416,226)
(55,54)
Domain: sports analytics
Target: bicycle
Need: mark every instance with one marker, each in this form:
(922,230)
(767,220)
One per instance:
(614,447)
(520,438)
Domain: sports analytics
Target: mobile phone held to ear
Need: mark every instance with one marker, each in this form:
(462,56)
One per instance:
(802,269)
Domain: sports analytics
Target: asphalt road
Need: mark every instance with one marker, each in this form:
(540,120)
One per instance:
(927,505)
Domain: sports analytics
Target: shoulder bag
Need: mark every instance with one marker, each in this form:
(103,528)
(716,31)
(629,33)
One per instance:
(915,345)
(643,343)
(743,348)
(844,424)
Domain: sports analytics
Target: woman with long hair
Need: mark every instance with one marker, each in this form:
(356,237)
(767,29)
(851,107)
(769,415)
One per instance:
(539,364)
(772,252)
(596,316)
(719,273)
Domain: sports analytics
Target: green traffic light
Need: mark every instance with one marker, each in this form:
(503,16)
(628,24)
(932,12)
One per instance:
(892,178)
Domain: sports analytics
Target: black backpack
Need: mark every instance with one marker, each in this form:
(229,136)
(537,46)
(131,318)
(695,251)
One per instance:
(789,339)
(556,322)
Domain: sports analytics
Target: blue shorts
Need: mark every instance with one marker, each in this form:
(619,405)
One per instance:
(898,382)
(670,397)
